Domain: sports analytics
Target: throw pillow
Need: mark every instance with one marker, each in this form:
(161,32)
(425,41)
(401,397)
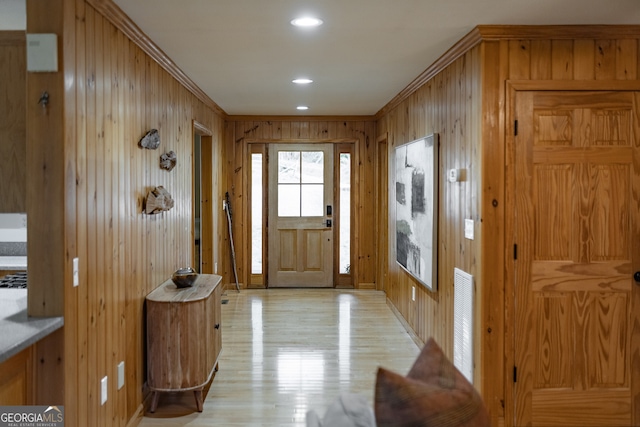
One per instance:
(434,393)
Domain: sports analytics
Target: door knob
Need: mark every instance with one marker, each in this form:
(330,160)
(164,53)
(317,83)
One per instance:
(636,276)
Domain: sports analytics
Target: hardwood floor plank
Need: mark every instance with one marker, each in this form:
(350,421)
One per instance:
(286,351)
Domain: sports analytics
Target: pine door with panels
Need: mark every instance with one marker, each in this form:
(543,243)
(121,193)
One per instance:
(577,231)
(300,231)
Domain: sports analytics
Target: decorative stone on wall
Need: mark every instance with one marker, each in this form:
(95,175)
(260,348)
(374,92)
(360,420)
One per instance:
(158,200)
(151,140)
(168,160)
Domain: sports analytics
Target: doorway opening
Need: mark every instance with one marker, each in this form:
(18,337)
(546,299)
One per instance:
(203,228)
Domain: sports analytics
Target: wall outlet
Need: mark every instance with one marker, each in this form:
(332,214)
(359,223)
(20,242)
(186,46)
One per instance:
(76,271)
(215,268)
(413,293)
(103,393)
(120,375)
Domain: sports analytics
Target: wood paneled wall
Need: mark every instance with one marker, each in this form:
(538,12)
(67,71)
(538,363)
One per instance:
(462,97)
(113,92)
(13,147)
(241,131)
(448,104)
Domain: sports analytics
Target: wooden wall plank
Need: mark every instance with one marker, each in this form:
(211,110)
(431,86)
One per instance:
(562,59)
(13,128)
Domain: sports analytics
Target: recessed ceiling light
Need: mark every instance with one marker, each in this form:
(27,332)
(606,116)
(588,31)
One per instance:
(302,107)
(306,22)
(302,81)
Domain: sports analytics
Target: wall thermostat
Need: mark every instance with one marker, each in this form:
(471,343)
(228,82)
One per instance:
(454,175)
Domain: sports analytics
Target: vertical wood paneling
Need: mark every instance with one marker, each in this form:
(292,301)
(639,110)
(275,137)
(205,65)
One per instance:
(583,59)
(118,93)
(561,63)
(626,59)
(13,140)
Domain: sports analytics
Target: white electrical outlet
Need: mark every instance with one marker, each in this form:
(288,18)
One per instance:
(413,293)
(76,271)
(215,268)
(103,388)
(120,375)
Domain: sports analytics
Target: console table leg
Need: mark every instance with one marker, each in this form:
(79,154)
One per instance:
(198,396)
(154,401)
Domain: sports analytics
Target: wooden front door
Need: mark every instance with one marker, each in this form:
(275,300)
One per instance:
(577,231)
(300,229)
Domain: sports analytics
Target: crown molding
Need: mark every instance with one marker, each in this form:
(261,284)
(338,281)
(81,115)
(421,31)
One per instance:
(483,33)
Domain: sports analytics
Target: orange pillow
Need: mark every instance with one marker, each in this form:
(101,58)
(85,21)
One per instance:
(434,393)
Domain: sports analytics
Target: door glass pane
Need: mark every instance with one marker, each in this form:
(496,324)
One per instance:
(345,213)
(312,200)
(288,199)
(256,213)
(288,167)
(313,167)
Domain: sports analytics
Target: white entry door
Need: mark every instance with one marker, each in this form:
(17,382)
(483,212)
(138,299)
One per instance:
(300,230)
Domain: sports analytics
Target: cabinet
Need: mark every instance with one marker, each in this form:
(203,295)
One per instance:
(16,380)
(184,336)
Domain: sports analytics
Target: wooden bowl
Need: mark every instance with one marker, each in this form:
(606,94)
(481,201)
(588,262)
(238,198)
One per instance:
(184,277)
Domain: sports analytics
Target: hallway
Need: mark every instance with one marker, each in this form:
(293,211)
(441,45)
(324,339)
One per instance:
(287,351)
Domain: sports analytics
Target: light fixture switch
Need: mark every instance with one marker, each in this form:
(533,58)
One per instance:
(103,389)
(42,53)
(76,272)
(120,375)
(468,229)
(413,293)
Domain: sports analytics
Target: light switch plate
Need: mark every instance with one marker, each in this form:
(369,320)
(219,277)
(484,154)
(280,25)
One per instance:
(76,272)
(120,375)
(103,388)
(468,229)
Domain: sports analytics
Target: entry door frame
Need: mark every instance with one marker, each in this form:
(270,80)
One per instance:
(261,146)
(511,89)
(308,234)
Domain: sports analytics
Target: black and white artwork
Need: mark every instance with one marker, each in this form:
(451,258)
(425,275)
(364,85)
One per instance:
(417,209)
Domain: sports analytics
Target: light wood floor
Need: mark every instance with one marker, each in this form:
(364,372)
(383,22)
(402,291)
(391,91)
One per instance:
(288,351)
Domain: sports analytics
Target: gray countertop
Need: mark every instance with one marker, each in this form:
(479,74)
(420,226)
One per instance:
(13,262)
(19,331)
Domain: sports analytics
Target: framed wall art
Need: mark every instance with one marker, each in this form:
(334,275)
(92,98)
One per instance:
(417,209)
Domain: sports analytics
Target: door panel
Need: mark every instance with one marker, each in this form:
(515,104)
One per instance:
(300,242)
(577,215)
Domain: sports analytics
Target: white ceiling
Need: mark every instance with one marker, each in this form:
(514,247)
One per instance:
(244,53)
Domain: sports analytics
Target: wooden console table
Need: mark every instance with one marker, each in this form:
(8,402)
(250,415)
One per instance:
(184,337)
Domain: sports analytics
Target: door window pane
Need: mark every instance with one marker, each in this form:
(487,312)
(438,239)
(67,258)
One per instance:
(289,167)
(300,183)
(312,200)
(256,213)
(345,213)
(312,167)
(288,200)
